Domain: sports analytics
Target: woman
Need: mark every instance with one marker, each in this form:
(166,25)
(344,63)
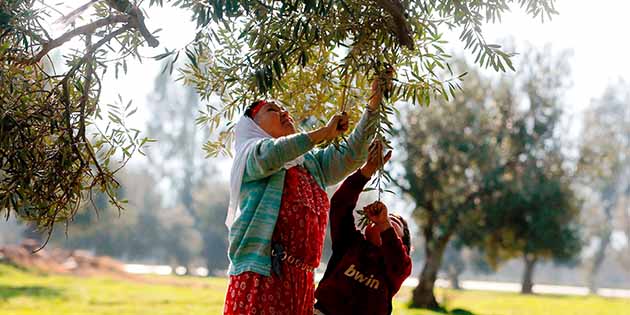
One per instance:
(279,208)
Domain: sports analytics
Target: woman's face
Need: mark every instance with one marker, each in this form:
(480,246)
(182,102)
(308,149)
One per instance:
(373,235)
(275,120)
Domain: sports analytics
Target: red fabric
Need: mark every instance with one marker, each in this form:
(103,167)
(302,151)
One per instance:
(257,108)
(300,228)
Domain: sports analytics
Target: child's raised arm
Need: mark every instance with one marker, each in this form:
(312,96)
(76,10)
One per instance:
(342,203)
(344,200)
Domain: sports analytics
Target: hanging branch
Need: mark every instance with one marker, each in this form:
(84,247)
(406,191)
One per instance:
(385,82)
(102,177)
(385,77)
(82,30)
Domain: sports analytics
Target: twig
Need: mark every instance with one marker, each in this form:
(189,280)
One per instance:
(82,30)
(137,21)
(92,50)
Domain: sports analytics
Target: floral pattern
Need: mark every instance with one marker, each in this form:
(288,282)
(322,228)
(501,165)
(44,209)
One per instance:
(300,228)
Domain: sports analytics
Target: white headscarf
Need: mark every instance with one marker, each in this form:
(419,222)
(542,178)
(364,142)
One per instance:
(247,134)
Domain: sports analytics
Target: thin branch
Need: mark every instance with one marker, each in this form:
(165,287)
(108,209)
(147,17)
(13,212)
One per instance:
(136,19)
(82,30)
(92,50)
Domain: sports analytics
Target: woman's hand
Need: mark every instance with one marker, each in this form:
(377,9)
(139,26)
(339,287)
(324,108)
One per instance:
(375,159)
(380,84)
(335,127)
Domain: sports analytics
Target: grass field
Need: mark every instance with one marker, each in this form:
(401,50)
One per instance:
(26,293)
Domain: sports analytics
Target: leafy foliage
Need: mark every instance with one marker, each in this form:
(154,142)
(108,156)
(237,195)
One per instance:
(318,57)
(536,216)
(315,56)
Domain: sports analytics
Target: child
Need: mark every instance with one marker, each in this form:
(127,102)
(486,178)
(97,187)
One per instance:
(365,271)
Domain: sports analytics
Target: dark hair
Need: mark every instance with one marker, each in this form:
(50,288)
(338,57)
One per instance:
(248,110)
(406,238)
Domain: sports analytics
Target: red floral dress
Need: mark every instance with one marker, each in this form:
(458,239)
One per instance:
(300,228)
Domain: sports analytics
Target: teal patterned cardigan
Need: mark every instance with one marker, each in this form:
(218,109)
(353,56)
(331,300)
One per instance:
(263,183)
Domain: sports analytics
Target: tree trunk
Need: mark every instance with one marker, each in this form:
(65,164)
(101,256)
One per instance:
(600,253)
(598,259)
(453,275)
(528,275)
(423,295)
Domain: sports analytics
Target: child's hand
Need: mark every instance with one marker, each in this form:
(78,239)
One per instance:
(381,84)
(375,158)
(377,213)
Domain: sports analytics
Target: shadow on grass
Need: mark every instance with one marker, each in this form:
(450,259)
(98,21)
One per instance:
(8,292)
(455,311)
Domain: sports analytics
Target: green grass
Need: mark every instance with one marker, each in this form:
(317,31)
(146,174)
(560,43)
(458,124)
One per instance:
(493,303)
(26,293)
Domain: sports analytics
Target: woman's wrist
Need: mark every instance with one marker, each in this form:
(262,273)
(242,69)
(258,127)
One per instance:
(318,136)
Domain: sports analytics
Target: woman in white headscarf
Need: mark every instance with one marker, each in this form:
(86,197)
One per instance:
(279,208)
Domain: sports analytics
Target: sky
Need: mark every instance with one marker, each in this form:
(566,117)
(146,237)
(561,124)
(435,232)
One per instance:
(592,31)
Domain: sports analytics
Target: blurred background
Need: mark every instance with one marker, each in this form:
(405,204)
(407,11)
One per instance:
(563,229)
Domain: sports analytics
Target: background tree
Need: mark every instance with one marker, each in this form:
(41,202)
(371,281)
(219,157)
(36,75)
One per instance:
(459,258)
(242,50)
(603,172)
(130,235)
(188,179)
(437,160)
(177,160)
(454,264)
(535,218)
(210,200)
(149,232)
(459,154)
(534,212)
